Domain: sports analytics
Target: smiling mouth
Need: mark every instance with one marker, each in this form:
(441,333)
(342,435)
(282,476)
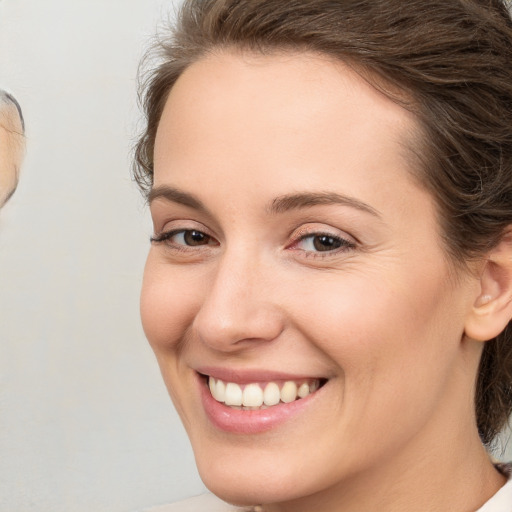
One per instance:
(259,396)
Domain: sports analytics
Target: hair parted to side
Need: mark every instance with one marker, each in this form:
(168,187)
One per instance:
(451,63)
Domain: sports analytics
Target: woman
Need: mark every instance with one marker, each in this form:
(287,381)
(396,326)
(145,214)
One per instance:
(329,286)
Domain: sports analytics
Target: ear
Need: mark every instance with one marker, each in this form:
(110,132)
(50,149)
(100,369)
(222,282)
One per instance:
(492,309)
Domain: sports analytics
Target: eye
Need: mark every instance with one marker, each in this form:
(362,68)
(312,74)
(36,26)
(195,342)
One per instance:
(191,237)
(185,237)
(323,242)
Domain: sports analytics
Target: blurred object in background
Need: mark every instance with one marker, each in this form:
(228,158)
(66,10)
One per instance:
(12,144)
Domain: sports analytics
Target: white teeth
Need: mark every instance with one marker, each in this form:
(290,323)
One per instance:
(289,392)
(217,389)
(303,391)
(211,385)
(221,390)
(252,396)
(271,395)
(233,394)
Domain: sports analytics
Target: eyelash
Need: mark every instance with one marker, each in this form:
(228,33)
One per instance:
(167,235)
(344,244)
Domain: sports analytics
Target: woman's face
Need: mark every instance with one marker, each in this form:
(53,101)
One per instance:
(294,253)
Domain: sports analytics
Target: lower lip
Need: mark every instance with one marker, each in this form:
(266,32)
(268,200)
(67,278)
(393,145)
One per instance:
(250,422)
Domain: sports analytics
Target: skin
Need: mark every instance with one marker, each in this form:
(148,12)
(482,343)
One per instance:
(383,318)
(11,145)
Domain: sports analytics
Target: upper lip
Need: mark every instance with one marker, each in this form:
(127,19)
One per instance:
(246,376)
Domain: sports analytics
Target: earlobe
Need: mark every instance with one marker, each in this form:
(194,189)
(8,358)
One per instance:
(492,309)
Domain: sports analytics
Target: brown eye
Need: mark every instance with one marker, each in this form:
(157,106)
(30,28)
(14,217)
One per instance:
(326,243)
(315,243)
(194,238)
(184,237)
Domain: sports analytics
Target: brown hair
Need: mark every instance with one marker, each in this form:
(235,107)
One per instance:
(451,60)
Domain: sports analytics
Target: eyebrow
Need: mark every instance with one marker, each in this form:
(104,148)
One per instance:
(309,199)
(278,205)
(175,195)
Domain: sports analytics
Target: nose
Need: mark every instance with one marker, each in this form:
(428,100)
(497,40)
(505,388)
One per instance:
(238,309)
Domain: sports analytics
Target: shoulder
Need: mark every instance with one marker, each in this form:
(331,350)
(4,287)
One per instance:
(203,503)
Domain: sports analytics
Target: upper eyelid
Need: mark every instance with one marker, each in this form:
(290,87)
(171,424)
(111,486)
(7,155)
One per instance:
(331,235)
(305,231)
(345,242)
(185,225)
(165,236)
(318,232)
(164,212)
(173,232)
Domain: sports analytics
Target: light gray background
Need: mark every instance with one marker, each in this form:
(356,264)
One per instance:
(85,420)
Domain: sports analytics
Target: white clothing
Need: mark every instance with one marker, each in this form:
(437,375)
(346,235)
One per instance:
(501,501)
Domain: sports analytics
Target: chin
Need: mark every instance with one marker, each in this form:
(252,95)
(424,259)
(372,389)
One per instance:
(246,476)
(242,486)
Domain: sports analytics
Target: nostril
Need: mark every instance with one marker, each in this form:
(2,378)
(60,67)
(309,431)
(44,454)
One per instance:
(238,329)
(237,309)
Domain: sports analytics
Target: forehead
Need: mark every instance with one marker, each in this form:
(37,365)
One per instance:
(292,84)
(257,110)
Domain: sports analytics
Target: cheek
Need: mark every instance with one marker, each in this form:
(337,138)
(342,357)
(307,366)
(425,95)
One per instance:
(386,332)
(169,301)
(394,343)
(168,305)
